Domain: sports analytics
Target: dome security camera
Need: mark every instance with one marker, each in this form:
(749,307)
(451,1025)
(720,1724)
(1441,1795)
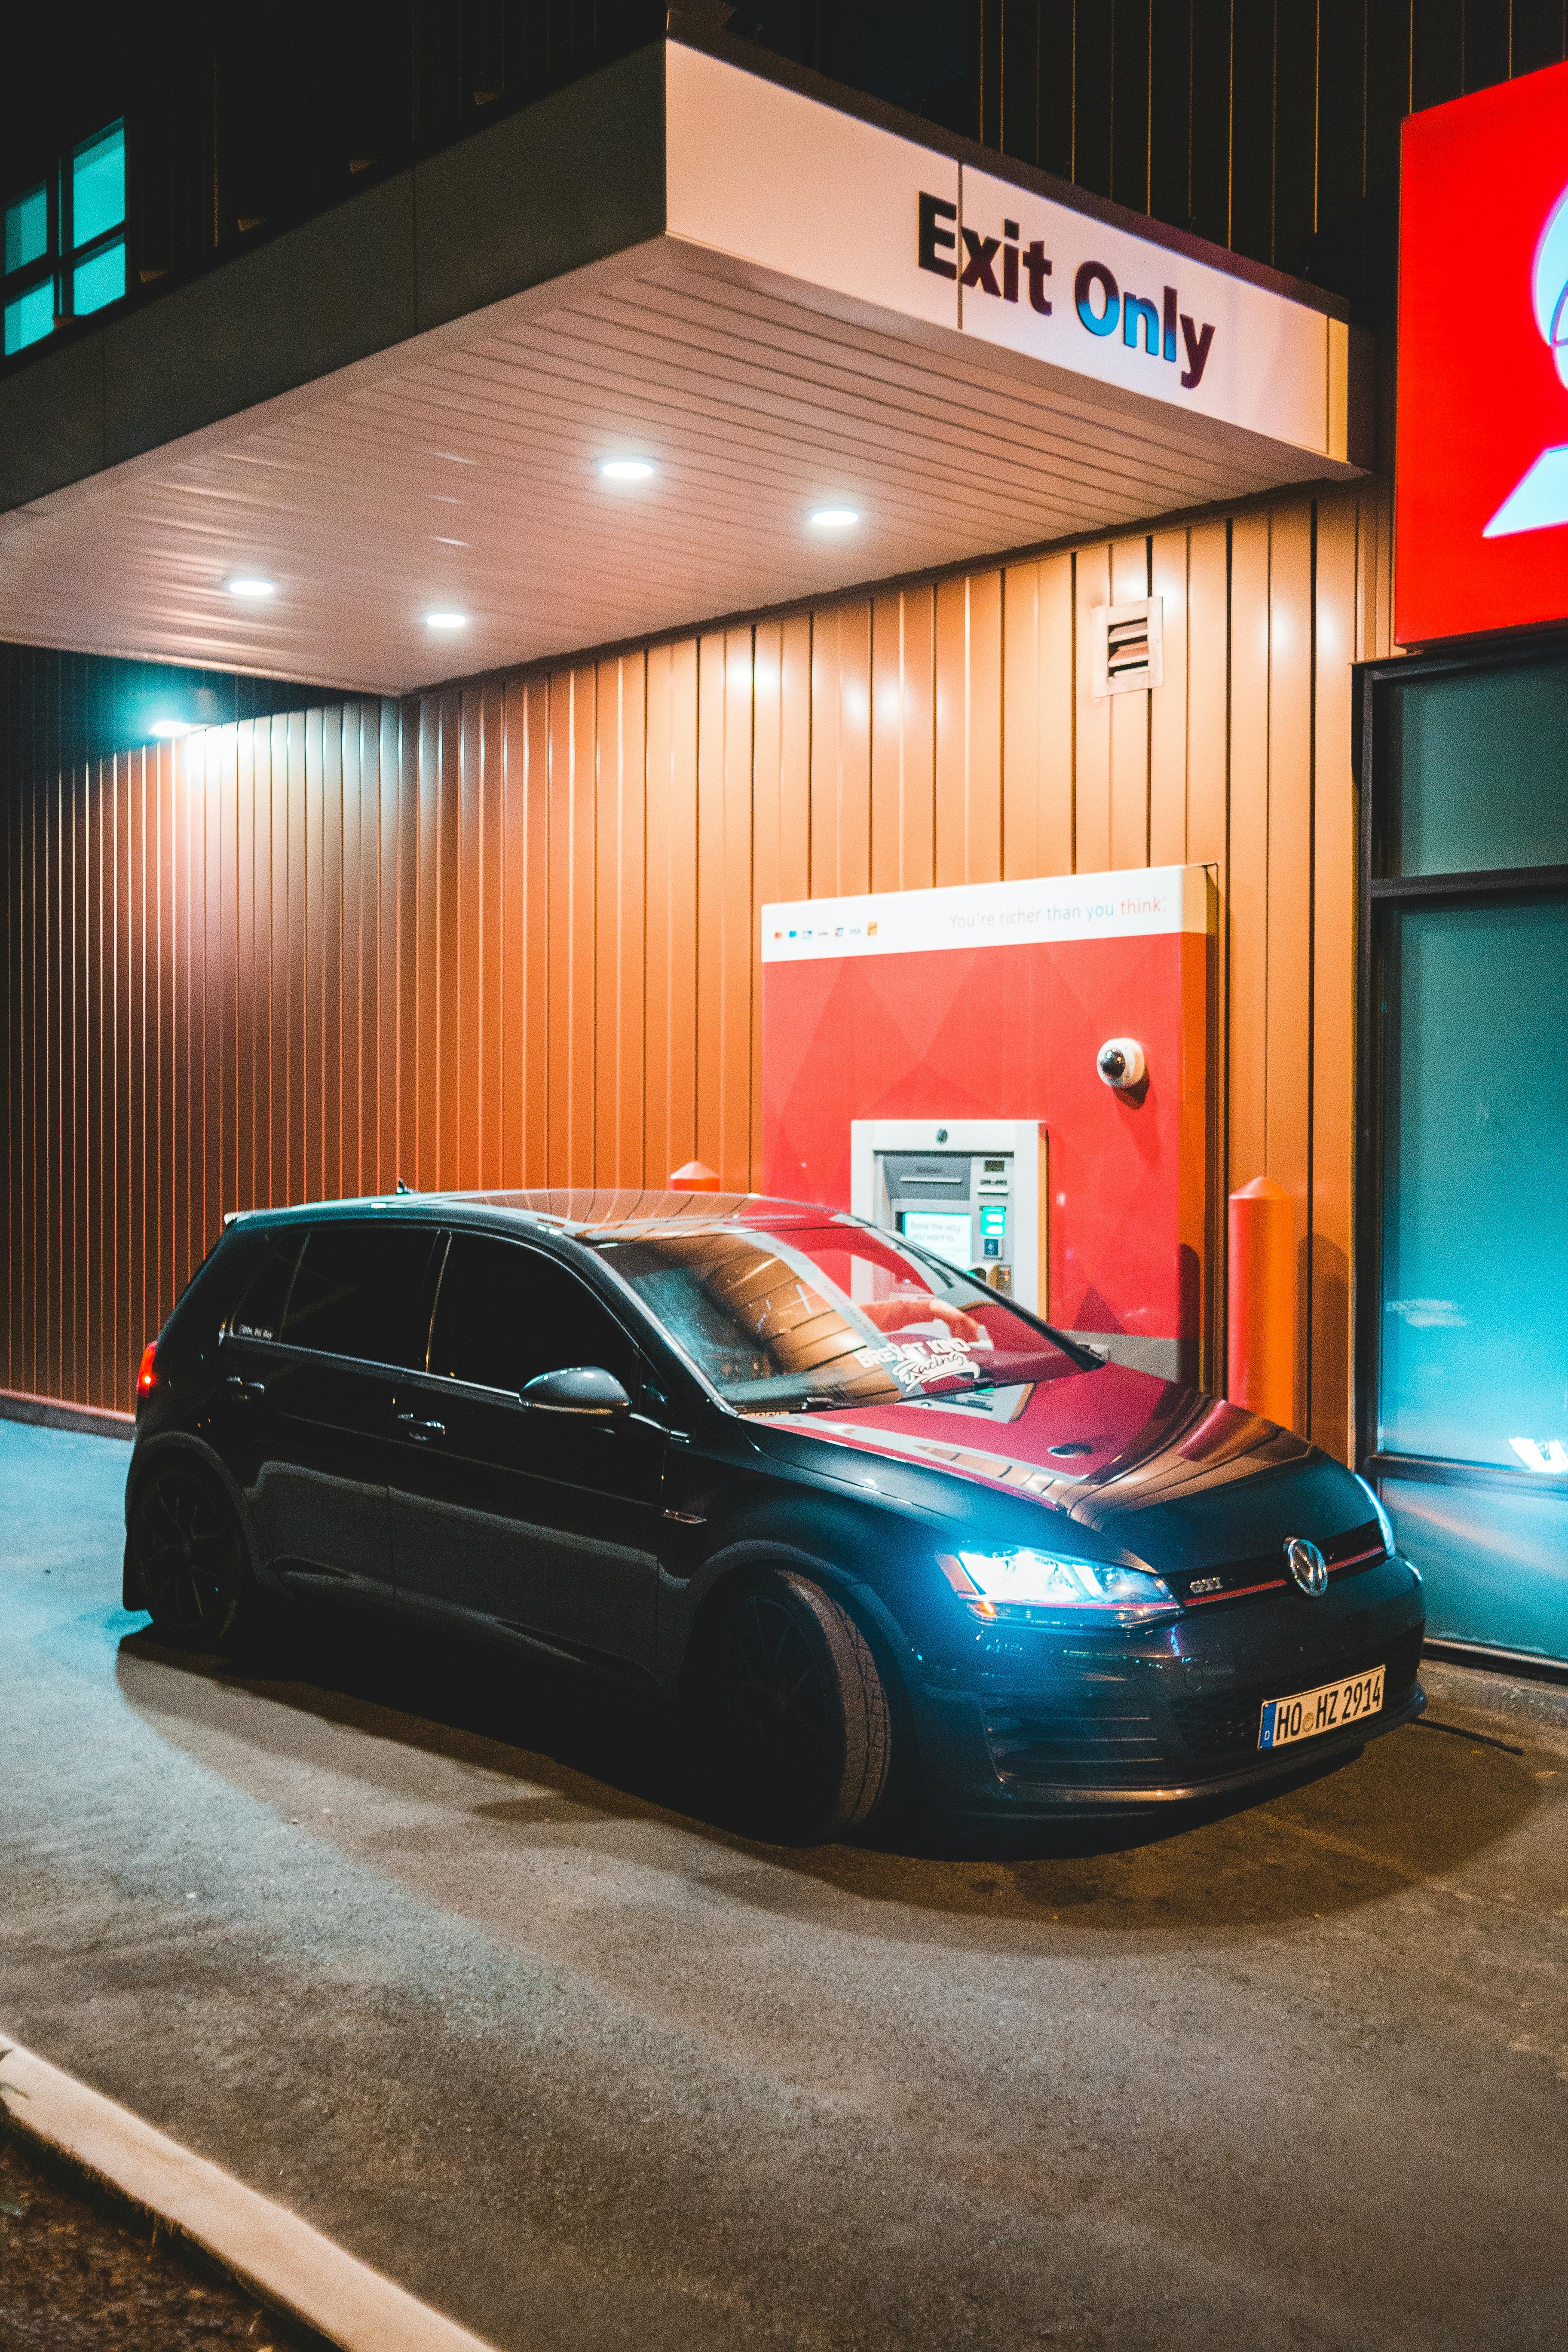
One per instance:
(1120,1062)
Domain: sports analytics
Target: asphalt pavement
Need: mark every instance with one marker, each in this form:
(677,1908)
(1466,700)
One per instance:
(439,1953)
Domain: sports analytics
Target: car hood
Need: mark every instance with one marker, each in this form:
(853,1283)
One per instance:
(1156,1470)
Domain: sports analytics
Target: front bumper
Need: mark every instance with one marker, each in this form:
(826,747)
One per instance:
(1053,1723)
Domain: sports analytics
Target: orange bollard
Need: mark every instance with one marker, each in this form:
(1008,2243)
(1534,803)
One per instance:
(1261,1365)
(694,1178)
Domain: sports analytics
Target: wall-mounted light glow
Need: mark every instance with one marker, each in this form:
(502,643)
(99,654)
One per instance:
(626,469)
(834,519)
(252,587)
(169,730)
(445,620)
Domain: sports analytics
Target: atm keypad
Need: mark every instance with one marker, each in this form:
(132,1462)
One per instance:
(956,1203)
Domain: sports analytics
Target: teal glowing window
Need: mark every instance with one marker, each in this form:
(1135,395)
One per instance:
(30,317)
(98,186)
(994,1217)
(65,246)
(99,281)
(26,228)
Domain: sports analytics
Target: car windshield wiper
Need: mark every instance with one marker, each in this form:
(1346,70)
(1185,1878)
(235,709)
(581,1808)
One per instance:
(816,1400)
(846,1400)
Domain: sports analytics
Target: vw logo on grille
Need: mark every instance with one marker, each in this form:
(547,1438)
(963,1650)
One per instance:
(1306,1564)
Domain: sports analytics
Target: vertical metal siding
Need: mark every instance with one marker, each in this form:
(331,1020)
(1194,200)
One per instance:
(506,934)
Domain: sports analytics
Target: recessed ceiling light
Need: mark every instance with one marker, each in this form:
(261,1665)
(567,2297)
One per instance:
(251,584)
(445,620)
(441,541)
(626,469)
(169,730)
(835,518)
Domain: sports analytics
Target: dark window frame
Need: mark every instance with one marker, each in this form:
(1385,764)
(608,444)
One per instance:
(1379,896)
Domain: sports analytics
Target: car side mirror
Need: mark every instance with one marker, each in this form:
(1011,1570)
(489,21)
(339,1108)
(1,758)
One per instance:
(579,1388)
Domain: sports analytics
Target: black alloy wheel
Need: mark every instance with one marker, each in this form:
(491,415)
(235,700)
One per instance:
(187,1550)
(801,1713)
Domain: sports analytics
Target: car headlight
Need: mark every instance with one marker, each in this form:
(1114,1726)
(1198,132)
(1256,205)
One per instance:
(992,1581)
(1384,1521)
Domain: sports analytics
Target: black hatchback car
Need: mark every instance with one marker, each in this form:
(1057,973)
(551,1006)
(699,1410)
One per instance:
(869,1520)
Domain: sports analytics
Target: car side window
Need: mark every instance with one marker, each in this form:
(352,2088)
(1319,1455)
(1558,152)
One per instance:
(506,1313)
(364,1290)
(259,1313)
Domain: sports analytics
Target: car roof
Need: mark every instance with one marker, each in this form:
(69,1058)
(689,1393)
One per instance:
(584,1214)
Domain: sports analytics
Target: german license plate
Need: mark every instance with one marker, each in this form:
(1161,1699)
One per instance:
(1328,1708)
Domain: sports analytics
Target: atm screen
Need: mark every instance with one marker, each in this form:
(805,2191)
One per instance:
(943,1232)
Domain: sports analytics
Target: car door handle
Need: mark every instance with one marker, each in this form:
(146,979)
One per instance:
(245,1392)
(423,1433)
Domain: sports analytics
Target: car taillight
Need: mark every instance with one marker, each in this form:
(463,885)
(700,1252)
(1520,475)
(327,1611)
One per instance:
(147,1376)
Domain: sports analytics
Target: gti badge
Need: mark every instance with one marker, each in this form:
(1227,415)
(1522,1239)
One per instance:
(1306,1565)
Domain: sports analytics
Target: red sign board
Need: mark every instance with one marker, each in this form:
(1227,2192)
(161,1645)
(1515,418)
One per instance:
(1481,513)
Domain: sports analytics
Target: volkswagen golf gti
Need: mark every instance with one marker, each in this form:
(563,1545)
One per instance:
(872,1526)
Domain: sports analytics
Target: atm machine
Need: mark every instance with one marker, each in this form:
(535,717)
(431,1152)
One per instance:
(971,1190)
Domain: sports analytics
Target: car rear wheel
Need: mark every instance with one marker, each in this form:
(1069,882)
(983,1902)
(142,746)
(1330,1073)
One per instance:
(799,1709)
(188,1554)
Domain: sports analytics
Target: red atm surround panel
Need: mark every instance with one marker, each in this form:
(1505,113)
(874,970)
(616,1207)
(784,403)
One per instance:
(993,1000)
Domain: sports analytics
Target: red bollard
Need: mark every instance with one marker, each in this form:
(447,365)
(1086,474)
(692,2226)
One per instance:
(694,1178)
(1261,1363)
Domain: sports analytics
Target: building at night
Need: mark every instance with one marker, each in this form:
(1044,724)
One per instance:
(495,496)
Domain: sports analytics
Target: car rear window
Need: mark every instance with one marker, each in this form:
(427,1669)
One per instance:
(363,1290)
(259,1314)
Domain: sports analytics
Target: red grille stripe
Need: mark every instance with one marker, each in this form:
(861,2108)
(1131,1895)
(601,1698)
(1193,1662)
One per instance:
(1238,1592)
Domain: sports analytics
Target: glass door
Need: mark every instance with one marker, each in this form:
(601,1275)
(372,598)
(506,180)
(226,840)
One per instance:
(1463,1289)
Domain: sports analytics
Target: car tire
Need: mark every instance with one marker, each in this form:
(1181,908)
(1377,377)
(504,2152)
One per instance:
(801,1723)
(188,1558)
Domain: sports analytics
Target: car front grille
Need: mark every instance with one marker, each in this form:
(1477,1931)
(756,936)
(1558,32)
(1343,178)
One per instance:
(1144,1730)
(1357,1550)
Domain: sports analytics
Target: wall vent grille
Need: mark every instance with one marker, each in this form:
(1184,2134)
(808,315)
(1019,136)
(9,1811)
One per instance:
(1127,650)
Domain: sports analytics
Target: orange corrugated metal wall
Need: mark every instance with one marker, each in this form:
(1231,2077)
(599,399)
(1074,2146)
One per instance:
(507,935)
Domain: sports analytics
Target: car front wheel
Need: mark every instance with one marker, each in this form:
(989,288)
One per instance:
(799,1709)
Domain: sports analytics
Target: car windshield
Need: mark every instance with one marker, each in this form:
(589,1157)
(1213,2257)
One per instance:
(830,1314)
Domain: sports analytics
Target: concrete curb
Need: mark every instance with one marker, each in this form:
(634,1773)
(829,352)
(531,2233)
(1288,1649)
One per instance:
(54,1413)
(271,2252)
